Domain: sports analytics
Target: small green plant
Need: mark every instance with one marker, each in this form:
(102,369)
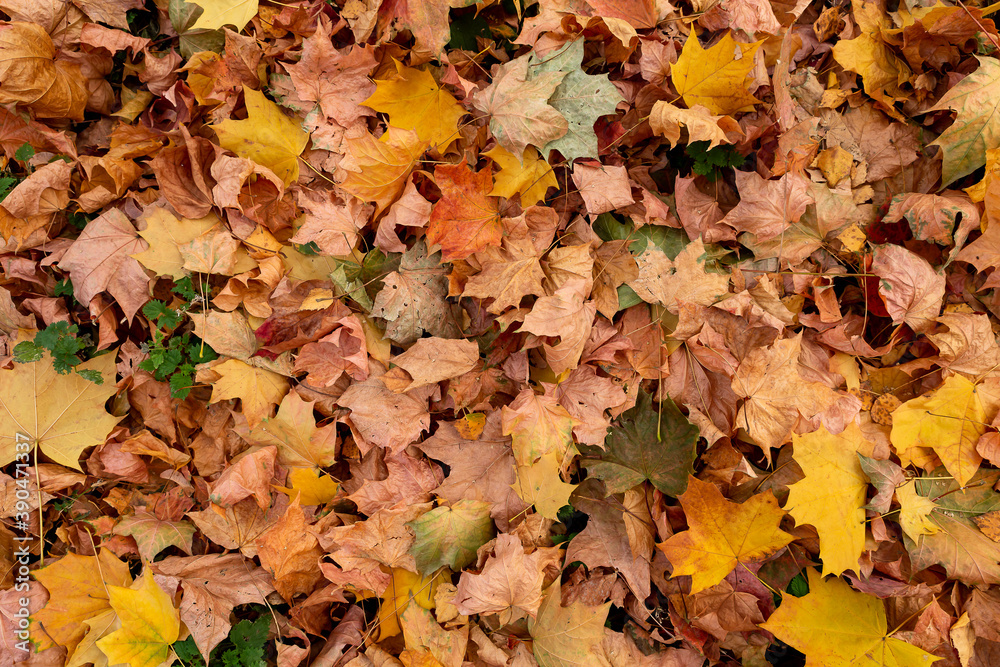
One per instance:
(60,340)
(172,356)
(710,162)
(244,647)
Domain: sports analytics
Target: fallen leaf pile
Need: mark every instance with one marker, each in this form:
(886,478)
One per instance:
(502,332)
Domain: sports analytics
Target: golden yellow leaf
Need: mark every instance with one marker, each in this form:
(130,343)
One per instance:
(313,486)
(293,431)
(832,495)
(914,512)
(567,635)
(882,71)
(539,484)
(722,534)
(218,13)
(165,234)
(949,421)
(667,120)
(266,136)
(258,390)
(61,414)
(150,624)
(76,586)
(836,625)
(414,101)
(404,588)
(530,176)
(715,77)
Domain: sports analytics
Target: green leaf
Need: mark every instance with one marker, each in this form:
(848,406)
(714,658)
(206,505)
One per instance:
(634,453)
(451,535)
(609,228)
(24,153)
(27,352)
(185,289)
(582,98)
(671,241)
(91,375)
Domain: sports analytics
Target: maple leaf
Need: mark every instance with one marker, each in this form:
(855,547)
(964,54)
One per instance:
(150,624)
(466,219)
(867,54)
(775,393)
(213,585)
(218,13)
(606,541)
(413,100)
(768,208)
(580,98)
(833,624)
(568,315)
(427,20)
(290,553)
(509,274)
(165,235)
(539,483)
(538,425)
(30,74)
(518,106)
(336,80)
(912,289)
(258,389)
(266,136)
(153,534)
(722,534)
(835,507)
(527,175)
(949,421)
(77,587)
(565,635)
(101,259)
(977,125)
(379,168)
(451,535)
(510,583)
(714,77)
(631,457)
(431,360)
(667,120)
(293,431)
(62,415)
(413,298)
(404,588)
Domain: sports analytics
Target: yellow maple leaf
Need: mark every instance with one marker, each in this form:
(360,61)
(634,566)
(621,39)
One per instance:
(165,234)
(914,512)
(836,625)
(530,176)
(714,77)
(949,421)
(377,169)
(150,624)
(404,588)
(832,494)
(722,534)
(293,431)
(312,486)
(414,101)
(564,636)
(220,13)
(61,414)
(77,592)
(258,389)
(667,120)
(882,72)
(266,136)
(539,484)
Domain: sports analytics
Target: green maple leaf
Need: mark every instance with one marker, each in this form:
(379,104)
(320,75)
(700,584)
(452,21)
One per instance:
(582,98)
(633,453)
